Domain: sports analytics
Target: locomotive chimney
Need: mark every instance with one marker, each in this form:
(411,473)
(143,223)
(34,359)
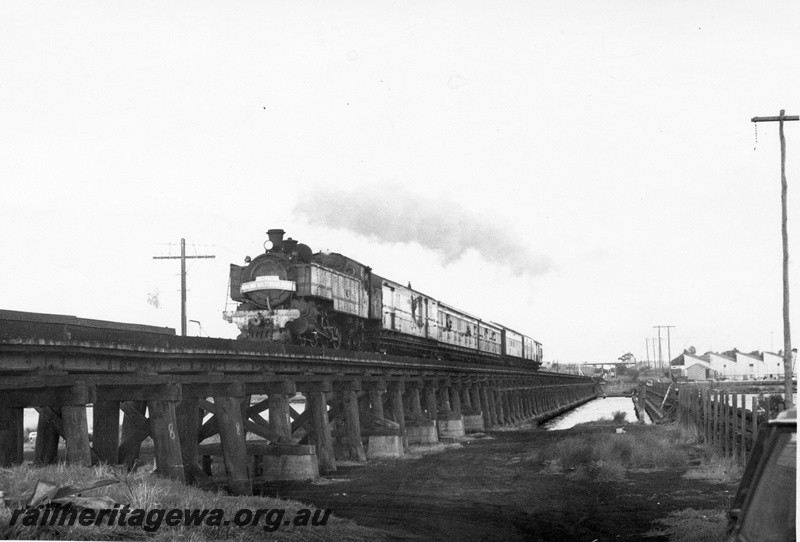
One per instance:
(276,238)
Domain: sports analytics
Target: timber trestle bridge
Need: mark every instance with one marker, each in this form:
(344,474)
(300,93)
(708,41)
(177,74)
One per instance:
(221,411)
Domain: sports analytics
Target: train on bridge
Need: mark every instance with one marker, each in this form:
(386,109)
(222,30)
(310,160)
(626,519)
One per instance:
(291,295)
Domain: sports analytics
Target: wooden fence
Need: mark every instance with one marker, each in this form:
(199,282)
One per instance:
(723,419)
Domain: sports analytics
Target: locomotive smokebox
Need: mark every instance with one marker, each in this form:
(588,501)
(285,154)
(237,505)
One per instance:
(276,238)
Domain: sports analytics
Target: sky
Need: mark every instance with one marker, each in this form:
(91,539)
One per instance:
(579,171)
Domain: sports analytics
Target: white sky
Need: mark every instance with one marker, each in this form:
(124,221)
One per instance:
(606,147)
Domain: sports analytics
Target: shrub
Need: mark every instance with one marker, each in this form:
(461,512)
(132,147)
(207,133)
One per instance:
(619,416)
(610,471)
(607,455)
(691,525)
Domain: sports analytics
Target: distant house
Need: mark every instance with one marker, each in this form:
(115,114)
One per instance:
(724,366)
(731,364)
(692,367)
(750,366)
(700,370)
(773,365)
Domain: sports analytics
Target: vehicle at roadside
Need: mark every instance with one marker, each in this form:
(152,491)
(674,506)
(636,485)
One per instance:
(764,508)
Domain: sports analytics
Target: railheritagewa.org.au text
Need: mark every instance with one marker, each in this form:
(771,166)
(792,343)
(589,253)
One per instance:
(268,519)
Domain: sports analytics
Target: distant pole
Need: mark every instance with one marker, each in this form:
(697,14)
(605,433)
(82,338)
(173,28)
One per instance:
(183,287)
(653,344)
(183,257)
(669,344)
(660,361)
(787,337)
(669,347)
(647,350)
(660,355)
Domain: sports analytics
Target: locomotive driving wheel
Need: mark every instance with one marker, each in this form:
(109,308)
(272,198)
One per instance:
(336,337)
(312,339)
(330,332)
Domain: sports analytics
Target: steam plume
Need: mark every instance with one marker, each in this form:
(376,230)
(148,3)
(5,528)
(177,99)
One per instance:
(396,216)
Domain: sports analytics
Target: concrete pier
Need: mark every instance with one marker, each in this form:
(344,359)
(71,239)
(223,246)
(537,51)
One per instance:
(422,432)
(451,428)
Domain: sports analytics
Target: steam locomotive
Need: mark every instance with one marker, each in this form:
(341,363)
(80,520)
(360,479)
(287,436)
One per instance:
(290,295)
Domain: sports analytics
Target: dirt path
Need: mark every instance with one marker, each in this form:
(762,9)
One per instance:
(486,490)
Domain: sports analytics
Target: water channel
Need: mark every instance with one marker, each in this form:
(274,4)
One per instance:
(593,411)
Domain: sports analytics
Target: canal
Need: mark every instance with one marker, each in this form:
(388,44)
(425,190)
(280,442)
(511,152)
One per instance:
(594,410)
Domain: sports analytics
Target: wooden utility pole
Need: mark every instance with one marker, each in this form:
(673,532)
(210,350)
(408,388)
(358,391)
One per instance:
(787,336)
(669,345)
(660,357)
(183,257)
(653,344)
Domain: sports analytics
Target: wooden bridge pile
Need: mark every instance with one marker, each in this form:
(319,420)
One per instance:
(166,386)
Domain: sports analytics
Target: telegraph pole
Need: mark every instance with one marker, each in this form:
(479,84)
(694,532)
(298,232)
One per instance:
(787,337)
(669,345)
(183,257)
(653,344)
(669,349)
(660,357)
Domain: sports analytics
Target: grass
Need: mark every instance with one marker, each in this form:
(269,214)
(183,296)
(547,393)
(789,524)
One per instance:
(691,525)
(608,456)
(145,490)
(716,468)
(619,417)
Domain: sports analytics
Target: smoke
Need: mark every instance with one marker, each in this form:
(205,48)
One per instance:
(152,298)
(394,215)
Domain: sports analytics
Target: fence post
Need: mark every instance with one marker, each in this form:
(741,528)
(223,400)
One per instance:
(721,424)
(713,412)
(725,426)
(734,423)
(743,455)
(704,407)
(682,410)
